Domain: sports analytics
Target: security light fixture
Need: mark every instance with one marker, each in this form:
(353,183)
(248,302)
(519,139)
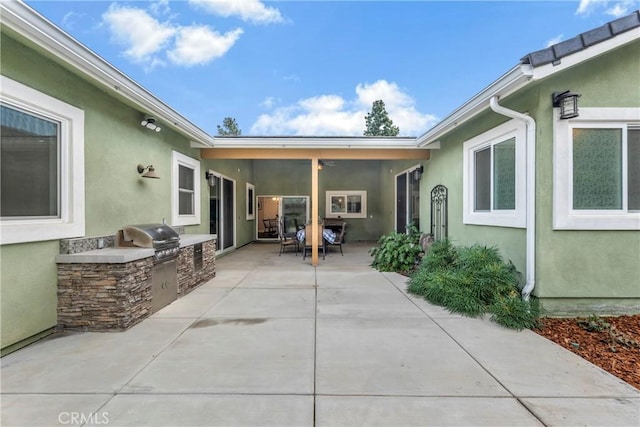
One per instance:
(211,179)
(567,101)
(150,171)
(417,173)
(150,123)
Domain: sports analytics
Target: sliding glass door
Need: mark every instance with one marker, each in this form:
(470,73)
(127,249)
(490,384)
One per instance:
(407,200)
(221,211)
(292,210)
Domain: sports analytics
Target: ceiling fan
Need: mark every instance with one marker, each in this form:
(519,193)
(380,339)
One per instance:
(323,163)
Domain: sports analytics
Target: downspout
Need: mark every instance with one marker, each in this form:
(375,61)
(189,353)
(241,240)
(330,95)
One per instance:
(530,261)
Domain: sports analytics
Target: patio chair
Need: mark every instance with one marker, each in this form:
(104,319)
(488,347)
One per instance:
(339,238)
(286,241)
(270,227)
(308,245)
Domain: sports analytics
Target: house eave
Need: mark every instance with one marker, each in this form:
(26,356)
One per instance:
(515,79)
(23,21)
(315,142)
(544,71)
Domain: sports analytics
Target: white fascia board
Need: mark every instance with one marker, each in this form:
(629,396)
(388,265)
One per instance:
(591,52)
(26,22)
(310,142)
(513,80)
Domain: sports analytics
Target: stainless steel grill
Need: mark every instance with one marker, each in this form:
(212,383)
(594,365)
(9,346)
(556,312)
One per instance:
(162,238)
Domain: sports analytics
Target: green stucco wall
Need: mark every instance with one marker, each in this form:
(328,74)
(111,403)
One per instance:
(293,178)
(576,271)
(242,172)
(115,195)
(582,271)
(445,168)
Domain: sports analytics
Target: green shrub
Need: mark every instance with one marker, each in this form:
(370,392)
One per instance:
(397,251)
(472,281)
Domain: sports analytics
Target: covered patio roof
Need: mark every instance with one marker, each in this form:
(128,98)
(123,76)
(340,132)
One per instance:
(315,148)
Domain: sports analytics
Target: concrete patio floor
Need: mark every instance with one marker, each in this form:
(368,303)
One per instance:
(273,341)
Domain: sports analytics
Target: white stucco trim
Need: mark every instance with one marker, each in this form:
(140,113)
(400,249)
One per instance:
(564,216)
(71,222)
(501,218)
(177,160)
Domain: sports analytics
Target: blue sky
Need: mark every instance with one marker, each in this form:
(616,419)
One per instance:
(315,67)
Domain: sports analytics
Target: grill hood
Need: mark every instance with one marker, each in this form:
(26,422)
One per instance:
(151,235)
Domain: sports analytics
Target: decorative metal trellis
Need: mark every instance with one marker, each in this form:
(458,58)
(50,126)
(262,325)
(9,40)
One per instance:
(439,212)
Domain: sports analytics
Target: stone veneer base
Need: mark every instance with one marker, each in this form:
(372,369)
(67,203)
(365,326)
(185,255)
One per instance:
(114,297)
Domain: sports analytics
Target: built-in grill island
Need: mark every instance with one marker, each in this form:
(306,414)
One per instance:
(147,267)
(166,245)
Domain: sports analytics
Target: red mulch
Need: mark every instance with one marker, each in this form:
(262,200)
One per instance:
(620,357)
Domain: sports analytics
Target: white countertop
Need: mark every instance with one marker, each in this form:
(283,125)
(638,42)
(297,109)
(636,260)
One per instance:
(123,255)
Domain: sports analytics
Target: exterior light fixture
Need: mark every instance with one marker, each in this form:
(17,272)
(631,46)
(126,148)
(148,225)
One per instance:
(150,171)
(567,101)
(150,123)
(320,165)
(211,179)
(417,173)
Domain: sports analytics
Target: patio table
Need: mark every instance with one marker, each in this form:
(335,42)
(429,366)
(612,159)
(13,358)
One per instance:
(327,234)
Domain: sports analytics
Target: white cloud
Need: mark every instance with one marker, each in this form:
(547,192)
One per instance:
(149,41)
(248,10)
(270,102)
(135,28)
(333,115)
(614,8)
(197,45)
(621,8)
(160,7)
(69,19)
(557,39)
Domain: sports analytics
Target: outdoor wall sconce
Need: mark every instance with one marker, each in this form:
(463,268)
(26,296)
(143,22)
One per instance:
(150,123)
(211,179)
(567,102)
(151,172)
(320,165)
(417,173)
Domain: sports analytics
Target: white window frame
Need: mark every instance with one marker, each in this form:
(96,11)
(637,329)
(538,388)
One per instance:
(250,194)
(177,160)
(564,216)
(363,207)
(515,218)
(71,222)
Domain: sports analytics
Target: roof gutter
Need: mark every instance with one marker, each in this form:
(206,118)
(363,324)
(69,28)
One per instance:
(516,78)
(24,21)
(530,262)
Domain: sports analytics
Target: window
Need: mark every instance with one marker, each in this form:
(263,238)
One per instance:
(597,170)
(251,200)
(346,204)
(494,177)
(41,166)
(186,190)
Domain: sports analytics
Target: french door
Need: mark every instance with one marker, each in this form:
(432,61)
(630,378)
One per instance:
(222,207)
(407,200)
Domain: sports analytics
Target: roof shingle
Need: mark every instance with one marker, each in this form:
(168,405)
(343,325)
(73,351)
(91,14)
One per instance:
(582,41)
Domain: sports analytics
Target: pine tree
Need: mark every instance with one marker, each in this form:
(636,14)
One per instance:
(378,122)
(229,127)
